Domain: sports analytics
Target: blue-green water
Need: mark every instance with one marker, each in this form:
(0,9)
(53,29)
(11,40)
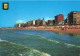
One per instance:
(44,41)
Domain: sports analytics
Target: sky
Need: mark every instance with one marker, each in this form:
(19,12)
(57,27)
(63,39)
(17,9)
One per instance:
(23,11)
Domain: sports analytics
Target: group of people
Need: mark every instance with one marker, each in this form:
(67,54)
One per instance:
(65,28)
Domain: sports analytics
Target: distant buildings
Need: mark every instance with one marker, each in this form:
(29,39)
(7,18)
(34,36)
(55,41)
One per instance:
(20,25)
(51,22)
(34,22)
(30,23)
(38,22)
(74,18)
(43,22)
(59,19)
(16,25)
(66,21)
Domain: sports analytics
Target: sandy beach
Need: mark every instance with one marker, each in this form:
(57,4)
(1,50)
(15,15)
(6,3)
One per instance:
(53,29)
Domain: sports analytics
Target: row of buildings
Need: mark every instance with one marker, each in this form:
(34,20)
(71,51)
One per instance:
(73,18)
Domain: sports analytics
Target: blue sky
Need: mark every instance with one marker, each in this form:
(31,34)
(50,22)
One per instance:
(23,11)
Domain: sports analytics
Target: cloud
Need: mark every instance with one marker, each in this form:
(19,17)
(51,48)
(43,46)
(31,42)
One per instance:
(20,21)
(48,18)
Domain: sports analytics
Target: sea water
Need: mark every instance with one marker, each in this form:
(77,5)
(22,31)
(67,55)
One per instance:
(43,41)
